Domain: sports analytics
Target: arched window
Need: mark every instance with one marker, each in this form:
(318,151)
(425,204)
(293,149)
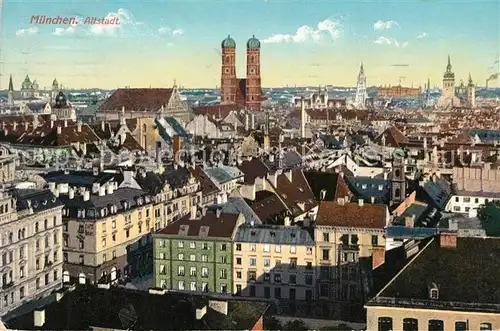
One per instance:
(384,324)
(410,324)
(436,325)
(397,193)
(227,59)
(397,173)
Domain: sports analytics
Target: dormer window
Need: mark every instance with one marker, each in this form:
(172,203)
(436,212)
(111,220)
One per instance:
(433,292)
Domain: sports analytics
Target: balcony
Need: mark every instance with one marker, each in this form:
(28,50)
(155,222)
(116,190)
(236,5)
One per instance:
(349,247)
(8,285)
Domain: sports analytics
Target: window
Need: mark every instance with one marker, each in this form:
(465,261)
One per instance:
(252,275)
(162,243)
(223,247)
(162,269)
(293,263)
(461,326)
(223,274)
(82,259)
(21,272)
(104,242)
(253,261)
(193,286)
(326,236)
(385,324)
(267,248)
(436,325)
(326,254)
(238,247)
(204,258)
(292,279)
(292,294)
(192,245)
(21,292)
(180,244)
(37,283)
(46,279)
(192,271)
(374,240)
(56,276)
(55,239)
(181,285)
(277,292)
(252,247)
(46,224)
(180,270)
(192,257)
(277,264)
(36,227)
(309,251)
(467,199)
(127,233)
(113,225)
(238,274)
(205,246)
(223,259)
(277,278)
(238,260)
(309,279)
(293,249)
(410,324)
(204,272)
(277,249)
(81,244)
(267,292)
(103,257)
(485,326)
(180,257)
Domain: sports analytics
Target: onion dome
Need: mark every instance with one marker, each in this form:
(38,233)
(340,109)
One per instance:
(228,42)
(253,43)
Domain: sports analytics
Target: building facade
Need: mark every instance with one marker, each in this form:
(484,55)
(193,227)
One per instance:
(31,246)
(196,253)
(361,95)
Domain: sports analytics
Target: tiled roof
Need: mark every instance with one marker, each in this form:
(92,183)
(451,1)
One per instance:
(207,185)
(39,200)
(216,227)
(268,207)
(80,178)
(253,169)
(295,192)
(393,137)
(137,99)
(466,275)
(333,184)
(368,216)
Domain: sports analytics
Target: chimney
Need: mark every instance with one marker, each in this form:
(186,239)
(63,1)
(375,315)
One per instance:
(409,221)
(71,193)
(373,200)
(56,193)
(448,239)
(246,122)
(86,196)
(102,191)
(103,126)
(361,202)
(385,175)
(65,123)
(253,121)
(14,126)
(193,212)
(39,318)
(218,212)
(78,126)
(201,312)
(51,124)
(95,171)
(378,256)
(341,201)
(110,188)
(59,129)
(218,306)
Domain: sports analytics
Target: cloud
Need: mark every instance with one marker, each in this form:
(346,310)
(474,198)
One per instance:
(384,25)
(169,31)
(124,17)
(307,34)
(400,65)
(422,35)
(390,41)
(64,31)
(27,32)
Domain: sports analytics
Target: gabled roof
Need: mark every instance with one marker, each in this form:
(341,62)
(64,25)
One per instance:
(333,185)
(367,216)
(393,137)
(207,185)
(296,192)
(253,169)
(137,99)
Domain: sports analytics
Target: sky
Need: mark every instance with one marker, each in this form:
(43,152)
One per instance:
(304,43)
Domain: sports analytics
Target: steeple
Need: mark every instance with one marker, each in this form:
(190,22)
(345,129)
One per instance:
(471,83)
(361,69)
(448,67)
(11,85)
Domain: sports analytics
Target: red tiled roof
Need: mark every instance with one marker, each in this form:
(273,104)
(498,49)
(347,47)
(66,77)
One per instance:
(253,169)
(369,216)
(295,192)
(393,137)
(137,99)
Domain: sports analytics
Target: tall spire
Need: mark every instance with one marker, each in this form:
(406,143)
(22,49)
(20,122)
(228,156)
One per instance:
(11,85)
(361,69)
(448,67)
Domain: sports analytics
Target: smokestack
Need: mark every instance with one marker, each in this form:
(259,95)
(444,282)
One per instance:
(303,118)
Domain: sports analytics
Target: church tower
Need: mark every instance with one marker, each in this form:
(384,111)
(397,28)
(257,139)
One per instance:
(448,82)
(11,92)
(360,99)
(253,82)
(228,75)
(398,190)
(471,93)
(55,90)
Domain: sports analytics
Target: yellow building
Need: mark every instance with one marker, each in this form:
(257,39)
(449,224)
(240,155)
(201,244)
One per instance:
(451,284)
(349,243)
(274,262)
(102,230)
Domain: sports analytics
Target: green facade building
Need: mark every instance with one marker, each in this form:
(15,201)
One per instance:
(196,253)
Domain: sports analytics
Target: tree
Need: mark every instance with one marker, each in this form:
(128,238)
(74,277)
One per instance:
(489,215)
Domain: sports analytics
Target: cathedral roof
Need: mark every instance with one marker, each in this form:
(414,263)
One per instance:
(228,42)
(253,43)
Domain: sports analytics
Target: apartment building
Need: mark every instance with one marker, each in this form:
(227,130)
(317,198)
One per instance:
(274,262)
(451,284)
(349,243)
(31,246)
(195,253)
(467,202)
(104,230)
